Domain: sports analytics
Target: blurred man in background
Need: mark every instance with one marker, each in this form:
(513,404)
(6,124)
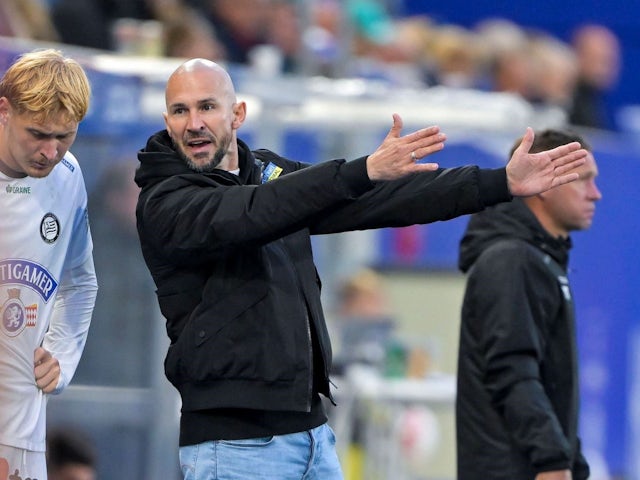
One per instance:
(517,396)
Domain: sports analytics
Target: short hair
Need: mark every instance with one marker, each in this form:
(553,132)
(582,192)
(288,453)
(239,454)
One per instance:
(363,282)
(47,84)
(69,446)
(550,138)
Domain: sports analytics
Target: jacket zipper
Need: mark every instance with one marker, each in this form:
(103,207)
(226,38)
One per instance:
(308,325)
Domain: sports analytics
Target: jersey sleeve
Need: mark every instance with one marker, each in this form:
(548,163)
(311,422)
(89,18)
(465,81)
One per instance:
(75,299)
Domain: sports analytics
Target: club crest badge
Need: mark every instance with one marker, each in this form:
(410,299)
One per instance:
(271,172)
(15,315)
(49,228)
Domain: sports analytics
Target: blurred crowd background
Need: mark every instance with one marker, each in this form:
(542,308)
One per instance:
(321,79)
(561,62)
(572,61)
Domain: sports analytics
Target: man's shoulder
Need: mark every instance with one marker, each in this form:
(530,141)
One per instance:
(68,175)
(70,163)
(267,156)
(69,170)
(508,246)
(508,251)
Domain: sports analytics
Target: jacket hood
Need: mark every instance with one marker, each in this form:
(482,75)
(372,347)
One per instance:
(159,160)
(511,220)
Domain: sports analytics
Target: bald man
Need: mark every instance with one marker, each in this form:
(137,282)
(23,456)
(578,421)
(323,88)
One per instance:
(226,234)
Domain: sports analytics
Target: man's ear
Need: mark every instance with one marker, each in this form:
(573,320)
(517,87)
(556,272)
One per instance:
(239,114)
(5,110)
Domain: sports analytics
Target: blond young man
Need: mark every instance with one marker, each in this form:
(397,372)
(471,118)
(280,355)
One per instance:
(47,277)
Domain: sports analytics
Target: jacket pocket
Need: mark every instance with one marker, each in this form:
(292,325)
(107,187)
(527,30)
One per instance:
(241,336)
(216,315)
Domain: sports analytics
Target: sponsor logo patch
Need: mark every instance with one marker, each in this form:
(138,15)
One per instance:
(19,189)
(29,274)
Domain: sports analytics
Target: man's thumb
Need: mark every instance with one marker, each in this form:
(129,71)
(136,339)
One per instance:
(396,128)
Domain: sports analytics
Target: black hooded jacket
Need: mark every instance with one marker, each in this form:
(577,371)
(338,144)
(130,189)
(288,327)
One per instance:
(232,262)
(517,397)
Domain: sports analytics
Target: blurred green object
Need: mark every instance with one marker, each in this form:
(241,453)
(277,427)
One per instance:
(396,360)
(370,19)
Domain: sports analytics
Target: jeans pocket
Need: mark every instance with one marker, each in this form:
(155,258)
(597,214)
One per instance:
(188,456)
(248,442)
(197,462)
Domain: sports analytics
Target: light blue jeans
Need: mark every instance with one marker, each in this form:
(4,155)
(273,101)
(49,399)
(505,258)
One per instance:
(309,455)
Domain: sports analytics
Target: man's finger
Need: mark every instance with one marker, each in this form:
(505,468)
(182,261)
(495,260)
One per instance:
(40,355)
(573,152)
(396,128)
(561,180)
(424,167)
(48,383)
(425,136)
(563,150)
(433,142)
(569,165)
(47,374)
(527,140)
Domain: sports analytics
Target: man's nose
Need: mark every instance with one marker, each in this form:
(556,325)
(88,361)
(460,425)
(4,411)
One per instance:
(195,122)
(594,191)
(49,149)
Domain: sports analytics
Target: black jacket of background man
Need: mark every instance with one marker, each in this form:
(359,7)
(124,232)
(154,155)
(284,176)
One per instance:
(517,398)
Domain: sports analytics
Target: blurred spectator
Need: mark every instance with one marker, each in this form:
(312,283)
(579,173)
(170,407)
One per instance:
(504,49)
(27,19)
(283,30)
(322,38)
(362,320)
(373,31)
(555,72)
(512,72)
(70,456)
(87,23)
(362,295)
(94,23)
(372,24)
(146,30)
(457,57)
(189,35)
(377,48)
(364,327)
(500,34)
(598,52)
(416,35)
(239,24)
